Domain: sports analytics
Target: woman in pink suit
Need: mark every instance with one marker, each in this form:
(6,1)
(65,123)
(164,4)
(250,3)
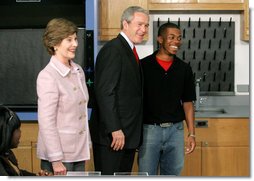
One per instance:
(64,138)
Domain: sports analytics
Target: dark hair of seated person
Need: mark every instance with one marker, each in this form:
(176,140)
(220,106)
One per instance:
(9,138)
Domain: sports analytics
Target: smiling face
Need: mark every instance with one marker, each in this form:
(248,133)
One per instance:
(137,28)
(65,51)
(170,41)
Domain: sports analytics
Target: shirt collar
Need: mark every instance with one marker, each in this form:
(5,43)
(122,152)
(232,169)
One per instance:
(127,39)
(62,69)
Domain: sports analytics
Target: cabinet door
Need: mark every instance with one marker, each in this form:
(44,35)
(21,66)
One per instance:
(173,1)
(245,24)
(135,163)
(220,1)
(225,161)
(110,16)
(192,163)
(29,132)
(223,131)
(207,5)
(90,163)
(24,156)
(196,1)
(35,160)
(222,153)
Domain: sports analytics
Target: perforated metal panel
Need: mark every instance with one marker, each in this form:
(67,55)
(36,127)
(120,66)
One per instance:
(208,46)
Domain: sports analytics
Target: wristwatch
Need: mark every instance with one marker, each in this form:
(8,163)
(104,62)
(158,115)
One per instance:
(191,135)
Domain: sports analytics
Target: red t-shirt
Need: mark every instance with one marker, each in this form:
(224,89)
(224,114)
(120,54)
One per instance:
(164,64)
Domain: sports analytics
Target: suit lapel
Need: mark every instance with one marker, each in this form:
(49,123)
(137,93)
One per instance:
(131,58)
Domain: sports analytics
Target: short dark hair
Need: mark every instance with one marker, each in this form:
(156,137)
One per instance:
(165,26)
(9,122)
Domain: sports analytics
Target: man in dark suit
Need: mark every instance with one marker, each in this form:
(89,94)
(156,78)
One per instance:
(116,121)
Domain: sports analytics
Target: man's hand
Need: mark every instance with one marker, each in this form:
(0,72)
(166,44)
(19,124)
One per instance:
(191,144)
(118,140)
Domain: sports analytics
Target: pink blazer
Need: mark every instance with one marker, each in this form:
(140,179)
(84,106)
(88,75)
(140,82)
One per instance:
(62,113)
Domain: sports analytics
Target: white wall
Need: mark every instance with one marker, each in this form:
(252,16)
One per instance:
(241,47)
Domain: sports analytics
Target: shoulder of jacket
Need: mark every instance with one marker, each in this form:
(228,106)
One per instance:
(147,59)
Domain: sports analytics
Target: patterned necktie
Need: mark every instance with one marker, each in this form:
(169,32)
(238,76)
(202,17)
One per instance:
(136,54)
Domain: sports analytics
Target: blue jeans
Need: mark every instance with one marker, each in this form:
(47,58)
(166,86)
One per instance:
(163,148)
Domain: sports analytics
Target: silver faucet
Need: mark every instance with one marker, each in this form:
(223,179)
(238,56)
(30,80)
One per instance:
(197,103)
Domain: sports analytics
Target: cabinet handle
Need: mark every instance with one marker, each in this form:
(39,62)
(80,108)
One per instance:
(205,143)
(201,123)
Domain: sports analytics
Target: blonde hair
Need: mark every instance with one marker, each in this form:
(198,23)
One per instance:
(57,29)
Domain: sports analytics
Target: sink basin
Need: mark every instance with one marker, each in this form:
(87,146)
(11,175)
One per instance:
(211,110)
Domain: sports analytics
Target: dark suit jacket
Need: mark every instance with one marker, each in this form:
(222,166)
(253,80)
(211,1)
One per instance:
(118,94)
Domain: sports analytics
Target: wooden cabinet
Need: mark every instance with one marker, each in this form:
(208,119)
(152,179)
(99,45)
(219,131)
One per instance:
(29,132)
(219,160)
(207,5)
(197,4)
(172,1)
(195,1)
(220,1)
(135,163)
(222,149)
(245,24)
(193,162)
(35,160)
(110,12)
(24,156)
(26,153)
(90,164)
